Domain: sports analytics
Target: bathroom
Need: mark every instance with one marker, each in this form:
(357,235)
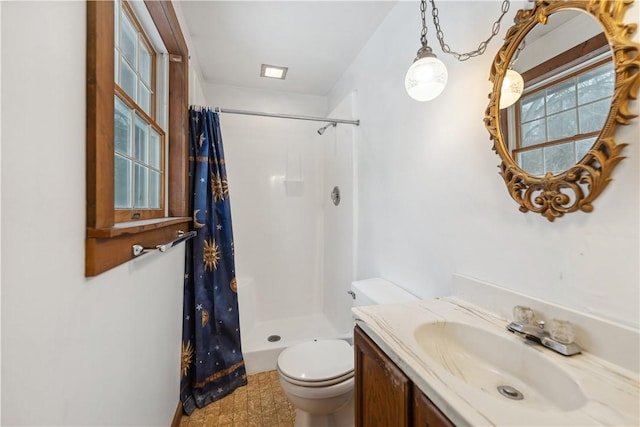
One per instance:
(428,202)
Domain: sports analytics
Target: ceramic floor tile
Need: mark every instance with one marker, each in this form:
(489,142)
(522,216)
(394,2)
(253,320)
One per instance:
(261,403)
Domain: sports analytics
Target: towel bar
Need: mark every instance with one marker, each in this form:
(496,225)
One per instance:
(182,236)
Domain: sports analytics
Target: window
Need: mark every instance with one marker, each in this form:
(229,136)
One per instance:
(560,121)
(563,108)
(136,139)
(139,135)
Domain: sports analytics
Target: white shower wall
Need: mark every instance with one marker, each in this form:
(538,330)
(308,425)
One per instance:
(338,146)
(293,247)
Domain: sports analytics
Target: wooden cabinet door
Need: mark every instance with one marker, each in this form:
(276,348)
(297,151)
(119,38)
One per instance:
(425,413)
(382,391)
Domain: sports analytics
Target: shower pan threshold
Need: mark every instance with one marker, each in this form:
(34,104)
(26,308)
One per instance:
(261,355)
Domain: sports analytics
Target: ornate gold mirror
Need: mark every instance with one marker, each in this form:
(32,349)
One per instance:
(557,142)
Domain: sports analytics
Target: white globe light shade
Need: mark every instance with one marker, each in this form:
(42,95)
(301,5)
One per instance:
(426,78)
(511,90)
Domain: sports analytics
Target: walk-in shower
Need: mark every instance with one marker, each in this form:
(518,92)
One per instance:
(293,249)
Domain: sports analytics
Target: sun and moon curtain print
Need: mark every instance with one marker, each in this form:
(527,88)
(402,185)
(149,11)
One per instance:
(212,363)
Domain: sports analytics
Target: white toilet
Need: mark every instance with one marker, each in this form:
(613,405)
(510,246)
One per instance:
(317,376)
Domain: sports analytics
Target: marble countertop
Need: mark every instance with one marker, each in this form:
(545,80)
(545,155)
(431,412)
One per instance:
(611,393)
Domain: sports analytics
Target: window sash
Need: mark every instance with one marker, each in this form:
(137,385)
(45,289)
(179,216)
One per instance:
(130,204)
(535,138)
(128,161)
(130,63)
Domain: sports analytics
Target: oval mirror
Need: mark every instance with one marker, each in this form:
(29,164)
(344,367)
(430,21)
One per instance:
(556,142)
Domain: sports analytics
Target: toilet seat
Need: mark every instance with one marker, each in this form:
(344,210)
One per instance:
(317,363)
(325,383)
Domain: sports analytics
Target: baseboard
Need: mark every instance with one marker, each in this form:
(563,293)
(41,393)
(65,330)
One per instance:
(177,417)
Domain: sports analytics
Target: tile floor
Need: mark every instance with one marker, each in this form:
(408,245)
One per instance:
(261,403)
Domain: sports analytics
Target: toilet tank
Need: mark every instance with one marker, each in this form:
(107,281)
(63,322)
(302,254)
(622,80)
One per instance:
(377,291)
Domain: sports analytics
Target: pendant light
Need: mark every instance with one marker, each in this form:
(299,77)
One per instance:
(427,76)
(512,84)
(511,90)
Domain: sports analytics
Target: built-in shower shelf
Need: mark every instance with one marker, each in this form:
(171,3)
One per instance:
(294,187)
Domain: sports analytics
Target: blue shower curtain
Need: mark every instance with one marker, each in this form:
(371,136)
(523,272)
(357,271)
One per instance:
(212,364)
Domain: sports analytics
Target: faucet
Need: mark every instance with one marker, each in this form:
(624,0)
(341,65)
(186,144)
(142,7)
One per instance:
(559,340)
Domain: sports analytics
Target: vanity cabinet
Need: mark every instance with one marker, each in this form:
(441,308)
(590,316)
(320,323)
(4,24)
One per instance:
(425,413)
(384,395)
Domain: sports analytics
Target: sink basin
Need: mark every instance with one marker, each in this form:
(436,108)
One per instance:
(486,360)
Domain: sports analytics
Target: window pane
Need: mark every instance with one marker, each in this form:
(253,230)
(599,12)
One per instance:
(532,107)
(154,149)
(533,132)
(144,100)
(144,68)
(116,62)
(596,84)
(122,131)
(141,187)
(561,97)
(531,161)
(559,158)
(141,140)
(583,146)
(128,80)
(154,190)
(128,40)
(562,125)
(122,189)
(593,116)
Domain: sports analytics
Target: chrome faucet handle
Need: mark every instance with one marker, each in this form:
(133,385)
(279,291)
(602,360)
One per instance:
(540,324)
(523,315)
(561,331)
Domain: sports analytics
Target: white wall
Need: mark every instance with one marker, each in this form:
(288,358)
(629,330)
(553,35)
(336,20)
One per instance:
(577,29)
(75,351)
(277,225)
(431,202)
(339,239)
(0,225)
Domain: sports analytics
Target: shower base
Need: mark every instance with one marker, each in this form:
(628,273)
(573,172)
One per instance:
(261,355)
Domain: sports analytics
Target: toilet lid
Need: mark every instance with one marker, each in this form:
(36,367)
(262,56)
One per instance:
(318,360)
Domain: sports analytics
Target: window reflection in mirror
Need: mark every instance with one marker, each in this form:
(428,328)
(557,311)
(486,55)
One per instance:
(569,80)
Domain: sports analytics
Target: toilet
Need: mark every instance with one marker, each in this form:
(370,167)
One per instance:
(317,376)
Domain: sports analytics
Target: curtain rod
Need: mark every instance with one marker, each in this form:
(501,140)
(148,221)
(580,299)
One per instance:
(288,116)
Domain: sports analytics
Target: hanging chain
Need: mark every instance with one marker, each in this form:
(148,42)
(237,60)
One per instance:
(482,47)
(523,44)
(423,11)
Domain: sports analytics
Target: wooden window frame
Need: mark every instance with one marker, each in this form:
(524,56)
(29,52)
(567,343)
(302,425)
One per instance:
(109,244)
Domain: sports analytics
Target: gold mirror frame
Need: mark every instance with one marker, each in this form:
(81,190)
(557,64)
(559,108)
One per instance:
(584,181)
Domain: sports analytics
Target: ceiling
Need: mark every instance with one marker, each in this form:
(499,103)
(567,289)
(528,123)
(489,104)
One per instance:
(317,40)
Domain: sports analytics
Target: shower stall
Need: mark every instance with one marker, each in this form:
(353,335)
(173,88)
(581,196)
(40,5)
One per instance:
(294,247)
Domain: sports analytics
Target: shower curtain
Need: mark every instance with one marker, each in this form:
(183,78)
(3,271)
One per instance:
(212,363)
